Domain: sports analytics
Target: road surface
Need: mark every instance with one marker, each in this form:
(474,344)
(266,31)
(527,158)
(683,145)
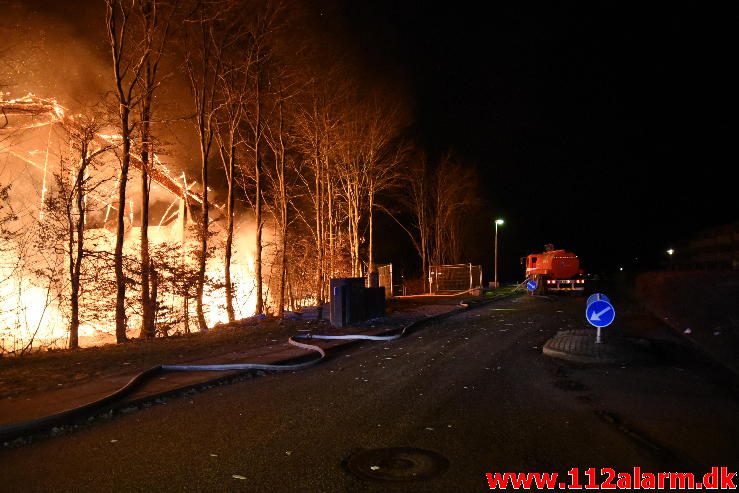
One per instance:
(473,388)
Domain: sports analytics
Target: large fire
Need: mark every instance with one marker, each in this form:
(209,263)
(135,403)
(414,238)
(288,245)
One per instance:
(33,283)
(30,311)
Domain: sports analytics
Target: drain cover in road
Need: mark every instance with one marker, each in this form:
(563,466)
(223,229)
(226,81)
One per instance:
(396,464)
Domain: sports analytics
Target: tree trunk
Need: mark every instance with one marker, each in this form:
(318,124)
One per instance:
(147,323)
(331,232)
(73,297)
(186,312)
(120,278)
(76,250)
(283,266)
(424,263)
(129,76)
(258,197)
(320,243)
(283,215)
(230,227)
(354,223)
(154,293)
(371,256)
(202,257)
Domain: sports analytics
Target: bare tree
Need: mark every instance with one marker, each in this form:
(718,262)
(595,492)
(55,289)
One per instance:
(82,132)
(281,181)
(156,33)
(215,28)
(129,60)
(352,183)
(367,164)
(266,20)
(452,196)
(417,182)
(384,155)
(314,123)
(234,86)
(437,198)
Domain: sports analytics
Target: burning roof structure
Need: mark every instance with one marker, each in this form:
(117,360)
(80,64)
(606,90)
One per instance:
(21,116)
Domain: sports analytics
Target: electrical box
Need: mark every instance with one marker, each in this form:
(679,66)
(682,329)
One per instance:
(351,302)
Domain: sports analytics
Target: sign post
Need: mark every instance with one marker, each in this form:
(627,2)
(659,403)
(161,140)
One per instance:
(599,313)
(531,285)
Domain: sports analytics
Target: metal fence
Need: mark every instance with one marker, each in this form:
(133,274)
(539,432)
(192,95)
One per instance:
(454,278)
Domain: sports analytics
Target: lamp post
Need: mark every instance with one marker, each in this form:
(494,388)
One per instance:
(498,222)
(670,252)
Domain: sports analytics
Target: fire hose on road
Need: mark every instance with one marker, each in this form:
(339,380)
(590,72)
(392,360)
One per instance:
(18,430)
(310,347)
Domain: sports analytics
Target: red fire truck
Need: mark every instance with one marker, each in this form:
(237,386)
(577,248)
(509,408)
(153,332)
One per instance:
(555,271)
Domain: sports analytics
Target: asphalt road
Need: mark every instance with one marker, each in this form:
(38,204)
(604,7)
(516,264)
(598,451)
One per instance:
(474,388)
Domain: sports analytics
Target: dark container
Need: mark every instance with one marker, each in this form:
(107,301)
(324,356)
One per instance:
(347,300)
(374,302)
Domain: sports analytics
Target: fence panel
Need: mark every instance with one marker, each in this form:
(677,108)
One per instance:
(386,278)
(455,278)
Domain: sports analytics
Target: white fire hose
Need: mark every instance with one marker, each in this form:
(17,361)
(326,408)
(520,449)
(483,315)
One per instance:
(292,341)
(16,430)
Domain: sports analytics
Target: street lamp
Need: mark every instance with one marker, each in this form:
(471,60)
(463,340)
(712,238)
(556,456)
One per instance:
(498,222)
(670,252)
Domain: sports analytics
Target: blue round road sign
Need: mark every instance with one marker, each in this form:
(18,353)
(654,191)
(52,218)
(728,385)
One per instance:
(600,313)
(531,285)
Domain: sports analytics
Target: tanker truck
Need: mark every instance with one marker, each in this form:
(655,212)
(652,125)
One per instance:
(555,271)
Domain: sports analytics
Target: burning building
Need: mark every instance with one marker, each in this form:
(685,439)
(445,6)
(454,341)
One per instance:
(38,164)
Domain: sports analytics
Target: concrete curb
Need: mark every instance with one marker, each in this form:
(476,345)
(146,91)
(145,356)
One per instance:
(579,346)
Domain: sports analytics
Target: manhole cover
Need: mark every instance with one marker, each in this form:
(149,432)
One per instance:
(396,464)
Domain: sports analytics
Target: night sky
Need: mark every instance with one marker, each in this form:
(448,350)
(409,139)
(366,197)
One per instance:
(604,129)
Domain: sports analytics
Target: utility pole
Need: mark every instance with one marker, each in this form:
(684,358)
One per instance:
(498,222)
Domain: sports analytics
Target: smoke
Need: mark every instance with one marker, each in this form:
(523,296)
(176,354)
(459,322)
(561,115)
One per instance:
(53,54)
